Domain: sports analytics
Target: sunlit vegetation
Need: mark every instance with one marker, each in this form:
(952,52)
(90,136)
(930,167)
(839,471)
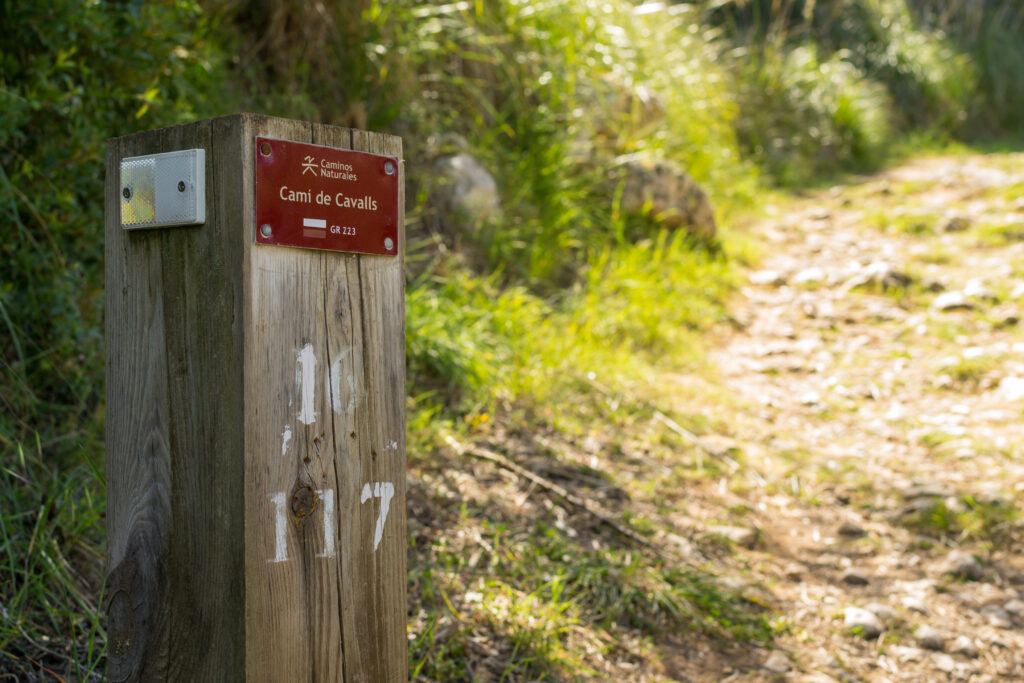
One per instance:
(553,318)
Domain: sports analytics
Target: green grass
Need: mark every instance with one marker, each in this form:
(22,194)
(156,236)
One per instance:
(966,519)
(900,222)
(556,316)
(537,584)
(969,373)
(1000,233)
(51,569)
(467,339)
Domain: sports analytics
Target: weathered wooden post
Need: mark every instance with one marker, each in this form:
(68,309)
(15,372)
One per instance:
(255,404)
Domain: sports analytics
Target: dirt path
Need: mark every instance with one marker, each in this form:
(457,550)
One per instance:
(880,374)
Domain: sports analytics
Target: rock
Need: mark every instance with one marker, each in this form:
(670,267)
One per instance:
(944,662)
(771,278)
(996,616)
(919,506)
(861,622)
(743,537)
(815,678)
(977,289)
(907,654)
(809,276)
(852,577)
(851,529)
(952,301)
(878,273)
(794,571)
(929,638)
(964,646)
(823,310)
(1011,388)
(465,195)
(1015,608)
(881,273)
(962,566)
(810,398)
(667,194)
(957,224)
(915,604)
(924,491)
(777,663)
(1005,316)
(884,612)
(734,584)
(965,671)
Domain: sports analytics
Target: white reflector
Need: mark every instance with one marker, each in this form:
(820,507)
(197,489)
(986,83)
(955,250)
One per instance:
(163,190)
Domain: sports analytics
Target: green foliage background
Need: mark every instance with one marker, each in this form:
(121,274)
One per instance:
(750,96)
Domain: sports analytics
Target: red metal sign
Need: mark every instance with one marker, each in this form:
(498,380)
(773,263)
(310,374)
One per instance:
(319,197)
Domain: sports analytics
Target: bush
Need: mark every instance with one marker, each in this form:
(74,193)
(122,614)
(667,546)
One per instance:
(824,86)
(802,116)
(73,74)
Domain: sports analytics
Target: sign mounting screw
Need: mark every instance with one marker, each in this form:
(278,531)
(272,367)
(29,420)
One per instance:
(389,167)
(265,149)
(181,186)
(126,192)
(266,230)
(389,243)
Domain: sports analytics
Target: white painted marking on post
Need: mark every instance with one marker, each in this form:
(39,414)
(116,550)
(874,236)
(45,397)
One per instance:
(386,493)
(334,386)
(327,497)
(314,223)
(286,436)
(280,529)
(384,490)
(305,375)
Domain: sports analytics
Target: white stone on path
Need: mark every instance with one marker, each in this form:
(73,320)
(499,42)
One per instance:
(962,565)
(773,278)
(861,622)
(809,276)
(777,662)
(964,646)
(929,638)
(952,301)
(944,662)
(997,616)
(1015,607)
(1011,388)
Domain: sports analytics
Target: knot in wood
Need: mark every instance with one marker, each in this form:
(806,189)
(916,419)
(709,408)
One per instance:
(304,500)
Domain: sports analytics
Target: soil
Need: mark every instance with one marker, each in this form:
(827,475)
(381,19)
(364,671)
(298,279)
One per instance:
(858,463)
(878,370)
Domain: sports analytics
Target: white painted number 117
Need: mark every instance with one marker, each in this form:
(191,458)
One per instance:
(305,377)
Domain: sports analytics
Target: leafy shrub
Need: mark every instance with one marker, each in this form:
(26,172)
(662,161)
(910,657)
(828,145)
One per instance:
(949,66)
(801,115)
(74,73)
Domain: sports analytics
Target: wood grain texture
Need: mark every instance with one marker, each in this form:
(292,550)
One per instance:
(174,381)
(382,283)
(256,424)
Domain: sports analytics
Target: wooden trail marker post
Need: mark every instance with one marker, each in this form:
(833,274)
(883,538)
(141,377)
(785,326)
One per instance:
(256,406)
